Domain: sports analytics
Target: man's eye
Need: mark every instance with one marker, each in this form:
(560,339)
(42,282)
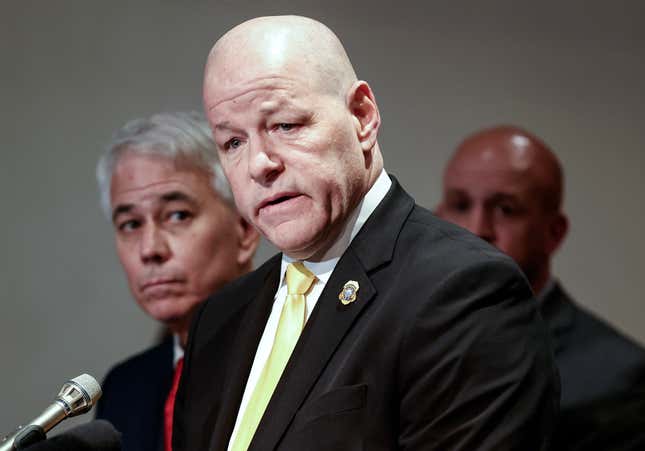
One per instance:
(285,126)
(232,143)
(460,206)
(506,210)
(128,226)
(179,216)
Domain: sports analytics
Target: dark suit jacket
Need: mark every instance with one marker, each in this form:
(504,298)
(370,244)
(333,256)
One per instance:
(602,374)
(442,349)
(134,394)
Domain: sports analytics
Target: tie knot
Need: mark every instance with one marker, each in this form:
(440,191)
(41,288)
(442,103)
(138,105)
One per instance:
(299,278)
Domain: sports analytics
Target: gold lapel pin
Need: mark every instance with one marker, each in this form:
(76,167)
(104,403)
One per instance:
(348,294)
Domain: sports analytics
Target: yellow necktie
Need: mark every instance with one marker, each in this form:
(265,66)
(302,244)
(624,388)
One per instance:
(292,321)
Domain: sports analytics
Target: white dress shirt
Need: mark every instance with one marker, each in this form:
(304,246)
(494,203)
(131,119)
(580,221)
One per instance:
(322,270)
(177,350)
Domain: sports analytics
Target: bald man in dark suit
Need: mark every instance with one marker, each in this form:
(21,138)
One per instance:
(378,326)
(505,185)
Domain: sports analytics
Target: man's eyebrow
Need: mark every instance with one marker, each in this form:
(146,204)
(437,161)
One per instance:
(226,125)
(501,197)
(456,192)
(269,108)
(121,210)
(178,196)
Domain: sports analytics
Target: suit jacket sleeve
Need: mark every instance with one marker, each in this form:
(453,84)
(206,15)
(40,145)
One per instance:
(488,381)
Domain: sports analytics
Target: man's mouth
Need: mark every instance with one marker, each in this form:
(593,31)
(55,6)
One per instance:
(157,283)
(281,207)
(277,199)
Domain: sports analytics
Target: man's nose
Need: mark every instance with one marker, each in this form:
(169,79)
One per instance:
(154,247)
(481,224)
(265,163)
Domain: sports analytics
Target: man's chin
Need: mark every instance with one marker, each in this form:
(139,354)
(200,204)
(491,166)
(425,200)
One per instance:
(299,249)
(300,240)
(165,310)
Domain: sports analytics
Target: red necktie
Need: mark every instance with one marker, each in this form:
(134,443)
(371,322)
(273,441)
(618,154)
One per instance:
(170,406)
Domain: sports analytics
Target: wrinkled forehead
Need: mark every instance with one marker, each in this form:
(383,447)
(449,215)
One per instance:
(148,175)
(268,91)
(224,82)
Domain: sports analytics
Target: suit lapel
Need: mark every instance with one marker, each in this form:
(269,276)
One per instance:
(325,329)
(331,320)
(248,336)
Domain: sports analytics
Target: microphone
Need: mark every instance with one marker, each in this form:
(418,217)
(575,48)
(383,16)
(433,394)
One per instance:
(76,397)
(97,435)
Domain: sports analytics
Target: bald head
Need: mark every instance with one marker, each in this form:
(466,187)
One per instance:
(295,130)
(505,185)
(263,47)
(514,150)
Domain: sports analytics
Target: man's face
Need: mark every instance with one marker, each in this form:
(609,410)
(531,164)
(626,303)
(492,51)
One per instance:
(501,205)
(177,240)
(292,156)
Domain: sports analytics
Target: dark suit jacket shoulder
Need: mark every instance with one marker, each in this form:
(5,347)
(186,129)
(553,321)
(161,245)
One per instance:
(595,360)
(134,394)
(443,348)
(603,379)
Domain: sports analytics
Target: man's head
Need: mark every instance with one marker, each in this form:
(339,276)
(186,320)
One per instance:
(294,128)
(178,235)
(505,185)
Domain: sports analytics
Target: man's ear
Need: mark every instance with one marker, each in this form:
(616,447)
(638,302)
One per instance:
(362,106)
(558,231)
(249,238)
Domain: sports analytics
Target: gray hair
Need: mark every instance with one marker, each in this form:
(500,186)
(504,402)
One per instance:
(171,135)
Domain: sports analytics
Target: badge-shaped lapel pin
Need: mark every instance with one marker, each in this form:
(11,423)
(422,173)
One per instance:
(348,293)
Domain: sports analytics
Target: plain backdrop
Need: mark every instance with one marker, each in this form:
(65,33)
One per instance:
(74,71)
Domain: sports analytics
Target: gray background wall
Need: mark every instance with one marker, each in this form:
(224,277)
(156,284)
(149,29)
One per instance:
(74,71)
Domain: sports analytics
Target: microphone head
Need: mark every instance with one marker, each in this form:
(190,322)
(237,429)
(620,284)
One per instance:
(78,395)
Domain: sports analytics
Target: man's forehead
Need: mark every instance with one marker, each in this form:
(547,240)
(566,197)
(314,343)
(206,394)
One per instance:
(263,102)
(270,44)
(473,171)
(156,194)
(139,169)
(262,93)
(157,189)
(142,180)
(232,91)
(283,46)
(484,182)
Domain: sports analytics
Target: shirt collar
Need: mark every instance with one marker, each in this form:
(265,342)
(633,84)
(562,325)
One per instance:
(548,287)
(177,350)
(323,269)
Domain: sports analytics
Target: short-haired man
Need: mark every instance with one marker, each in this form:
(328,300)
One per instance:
(506,186)
(179,239)
(379,326)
